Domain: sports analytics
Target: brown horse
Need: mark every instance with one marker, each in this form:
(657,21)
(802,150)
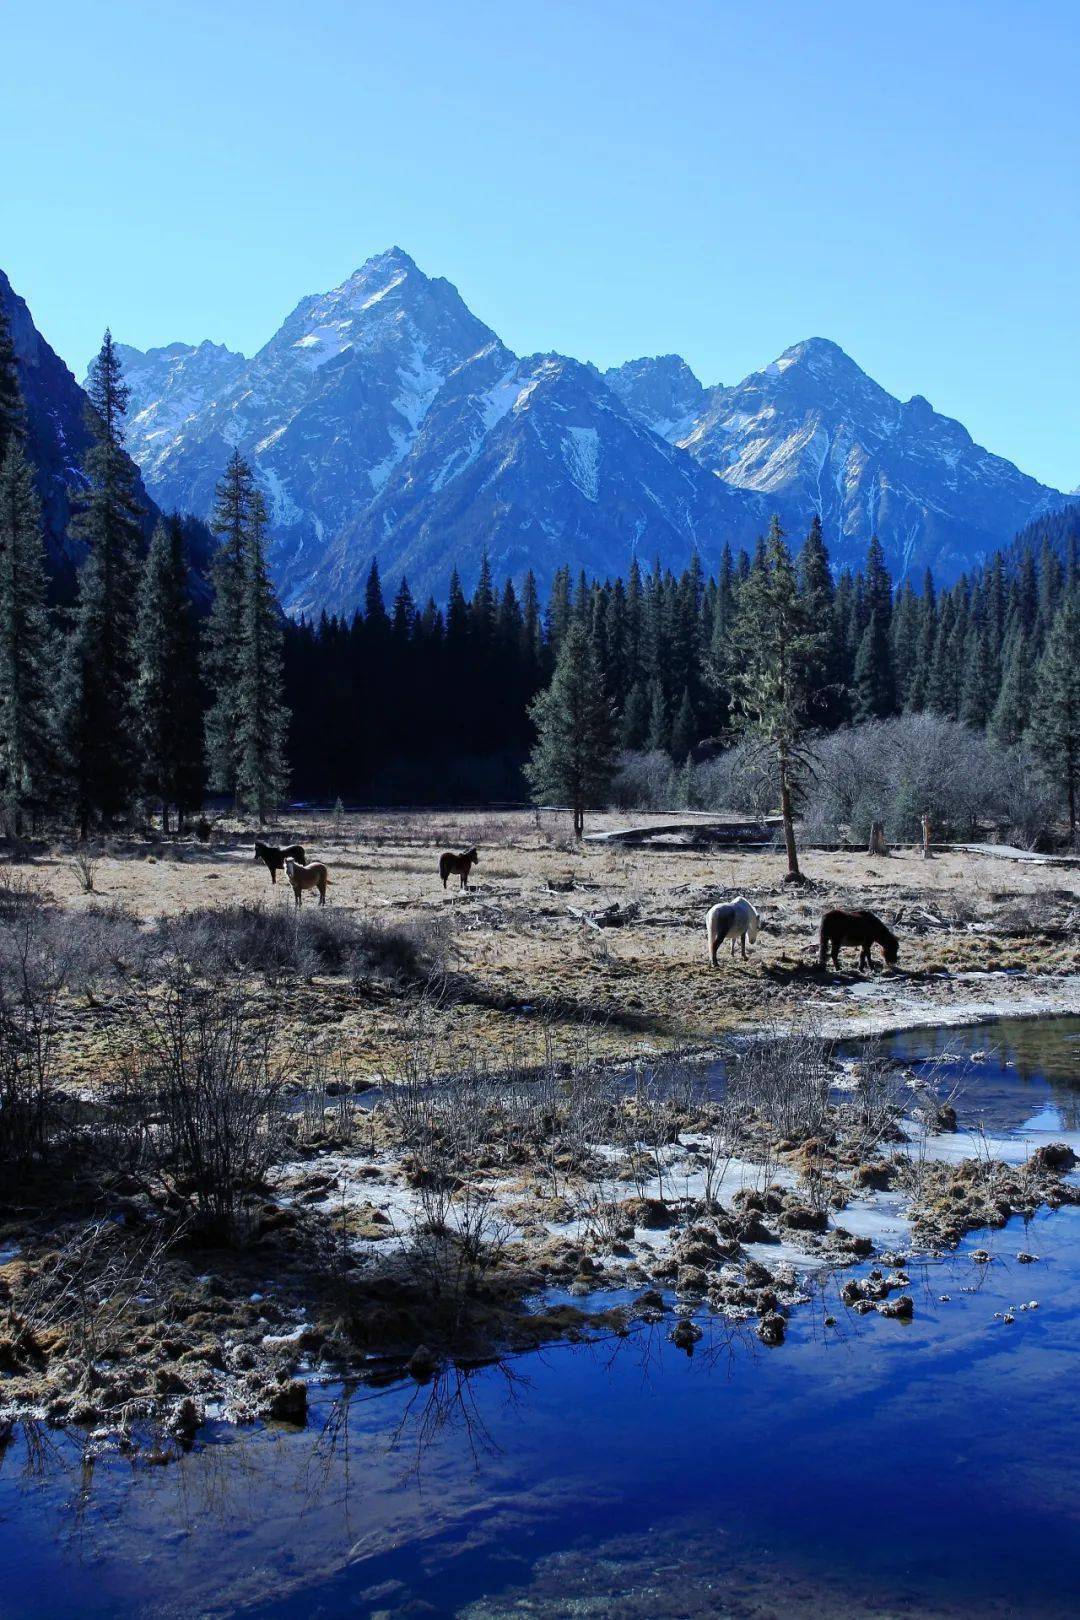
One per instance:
(859,928)
(307,877)
(461,864)
(275,858)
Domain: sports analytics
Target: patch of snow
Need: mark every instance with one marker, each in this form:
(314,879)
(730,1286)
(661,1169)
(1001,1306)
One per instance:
(581,452)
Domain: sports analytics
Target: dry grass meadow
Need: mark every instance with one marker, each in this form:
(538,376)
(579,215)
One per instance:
(978,932)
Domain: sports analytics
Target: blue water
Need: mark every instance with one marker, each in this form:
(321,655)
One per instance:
(872,1467)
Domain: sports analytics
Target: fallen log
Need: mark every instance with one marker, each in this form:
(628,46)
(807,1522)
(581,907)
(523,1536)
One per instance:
(698,832)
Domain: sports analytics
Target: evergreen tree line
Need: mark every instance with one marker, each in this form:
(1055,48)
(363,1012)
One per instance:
(136,702)
(124,705)
(405,682)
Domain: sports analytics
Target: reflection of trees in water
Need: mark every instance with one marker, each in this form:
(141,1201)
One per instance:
(1043,1049)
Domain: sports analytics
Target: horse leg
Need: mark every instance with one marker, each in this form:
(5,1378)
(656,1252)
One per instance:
(273,874)
(742,942)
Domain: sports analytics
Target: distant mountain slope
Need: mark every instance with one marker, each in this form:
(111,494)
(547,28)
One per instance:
(812,432)
(663,392)
(535,461)
(384,420)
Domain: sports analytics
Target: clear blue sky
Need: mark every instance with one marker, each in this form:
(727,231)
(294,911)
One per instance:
(602,177)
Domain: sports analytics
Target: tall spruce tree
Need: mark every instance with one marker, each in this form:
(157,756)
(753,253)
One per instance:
(247,718)
(168,697)
(872,679)
(230,522)
(1012,709)
(775,648)
(573,757)
(95,723)
(1054,733)
(26,755)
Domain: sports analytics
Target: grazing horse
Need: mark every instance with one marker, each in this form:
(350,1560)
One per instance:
(275,858)
(461,864)
(733,921)
(860,928)
(306,877)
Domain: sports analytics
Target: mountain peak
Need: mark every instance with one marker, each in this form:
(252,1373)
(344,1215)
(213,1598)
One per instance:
(818,355)
(661,390)
(390,260)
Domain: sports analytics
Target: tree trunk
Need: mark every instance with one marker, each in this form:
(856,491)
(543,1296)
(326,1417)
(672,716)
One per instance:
(164,818)
(793,873)
(579,820)
(926,855)
(877,839)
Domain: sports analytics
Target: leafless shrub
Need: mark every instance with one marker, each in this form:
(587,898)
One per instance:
(217,1090)
(656,1108)
(90,1289)
(867,1115)
(894,770)
(783,1079)
(84,865)
(278,941)
(33,971)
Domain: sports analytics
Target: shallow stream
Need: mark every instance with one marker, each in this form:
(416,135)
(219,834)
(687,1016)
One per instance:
(874,1466)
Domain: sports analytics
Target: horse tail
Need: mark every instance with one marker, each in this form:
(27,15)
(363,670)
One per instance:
(823,940)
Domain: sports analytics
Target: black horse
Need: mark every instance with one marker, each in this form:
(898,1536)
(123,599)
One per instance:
(275,858)
(859,928)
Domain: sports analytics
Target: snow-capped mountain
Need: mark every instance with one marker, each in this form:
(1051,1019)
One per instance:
(813,433)
(324,411)
(384,420)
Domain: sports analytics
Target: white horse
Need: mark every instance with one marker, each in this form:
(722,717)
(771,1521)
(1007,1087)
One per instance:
(733,921)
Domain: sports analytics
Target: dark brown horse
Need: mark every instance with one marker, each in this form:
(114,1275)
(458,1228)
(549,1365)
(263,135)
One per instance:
(461,864)
(275,858)
(861,928)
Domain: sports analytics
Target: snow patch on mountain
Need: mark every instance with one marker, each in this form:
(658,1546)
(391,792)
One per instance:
(581,452)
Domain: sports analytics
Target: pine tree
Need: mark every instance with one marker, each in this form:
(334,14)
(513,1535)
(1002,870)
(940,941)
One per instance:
(978,690)
(1012,710)
(247,719)
(95,722)
(573,757)
(230,522)
(828,702)
(26,762)
(775,647)
(658,734)
(12,409)
(683,729)
(168,699)
(262,773)
(634,723)
(872,680)
(1054,733)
